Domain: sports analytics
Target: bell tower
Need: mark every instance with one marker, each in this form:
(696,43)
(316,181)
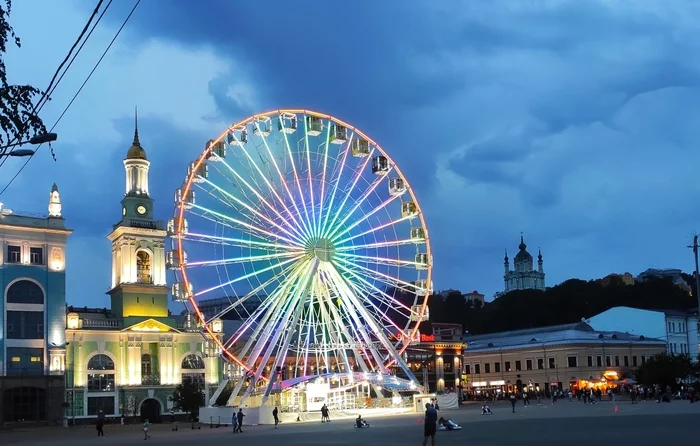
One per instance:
(139,288)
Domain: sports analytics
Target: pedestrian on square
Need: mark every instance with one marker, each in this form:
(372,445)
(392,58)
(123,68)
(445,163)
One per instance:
(100,427)
(240,416)
(513,401)
(431,417)
(274,415)
(234,421)
(146,426)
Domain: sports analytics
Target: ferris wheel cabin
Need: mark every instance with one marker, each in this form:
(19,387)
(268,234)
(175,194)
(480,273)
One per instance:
(380,165)
(314,126)
(360,148)
(287,123)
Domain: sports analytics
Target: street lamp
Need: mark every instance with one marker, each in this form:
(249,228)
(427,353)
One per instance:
(18,152)
(35,140)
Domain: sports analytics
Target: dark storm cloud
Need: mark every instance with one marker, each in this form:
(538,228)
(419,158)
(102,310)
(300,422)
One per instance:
(573,121)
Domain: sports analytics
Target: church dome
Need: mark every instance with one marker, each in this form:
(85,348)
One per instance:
(136,152)
(523,255)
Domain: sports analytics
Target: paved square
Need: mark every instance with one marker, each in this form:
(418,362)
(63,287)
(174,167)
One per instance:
(564,423)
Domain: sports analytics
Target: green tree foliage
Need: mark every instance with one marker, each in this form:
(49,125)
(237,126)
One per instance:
(665,370)
(18,119)
(565,303)
(188,397)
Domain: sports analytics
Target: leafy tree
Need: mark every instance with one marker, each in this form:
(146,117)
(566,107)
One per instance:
(188,397)
(18,118)
(665,370)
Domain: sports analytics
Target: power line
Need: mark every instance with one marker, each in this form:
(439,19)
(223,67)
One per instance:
(45,96)
(76,94)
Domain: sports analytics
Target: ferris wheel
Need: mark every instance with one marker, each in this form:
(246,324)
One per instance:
(303,230)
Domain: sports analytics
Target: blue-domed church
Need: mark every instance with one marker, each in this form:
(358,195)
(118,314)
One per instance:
(524,276)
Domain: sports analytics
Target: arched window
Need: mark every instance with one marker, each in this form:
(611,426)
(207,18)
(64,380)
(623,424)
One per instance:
(143,267)
(101,362)
(100,382)
(25,292)
(192,362)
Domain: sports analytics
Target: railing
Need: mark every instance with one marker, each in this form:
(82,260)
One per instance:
(144,278)
(150,380)
(100,323)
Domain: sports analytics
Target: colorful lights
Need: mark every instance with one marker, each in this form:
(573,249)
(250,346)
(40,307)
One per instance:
(296,215)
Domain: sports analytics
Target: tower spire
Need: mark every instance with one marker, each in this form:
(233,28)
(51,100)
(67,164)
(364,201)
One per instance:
(136,126)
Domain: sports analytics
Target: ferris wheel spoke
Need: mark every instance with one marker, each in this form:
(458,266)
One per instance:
(297,181)
(386,244)
(314,228)
(384,278)
(241,300)
(259,196)
(247,225)
(358,221)
(374,229)
(356,177)
(323,181)
(234,260)
(247,276)
(377,181)
(236,242)
(369,288)
(379,260)
(283,181)
(341,281)
(336,182)
(255,212)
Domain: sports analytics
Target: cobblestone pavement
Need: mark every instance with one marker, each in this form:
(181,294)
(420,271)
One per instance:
(565,422)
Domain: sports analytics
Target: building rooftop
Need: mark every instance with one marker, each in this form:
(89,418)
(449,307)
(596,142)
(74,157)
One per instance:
(577,333)
(30,220)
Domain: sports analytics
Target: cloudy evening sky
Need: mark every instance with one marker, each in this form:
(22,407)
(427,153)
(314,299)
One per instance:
(576,122)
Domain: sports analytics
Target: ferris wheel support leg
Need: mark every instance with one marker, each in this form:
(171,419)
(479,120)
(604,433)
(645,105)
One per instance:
(222,385)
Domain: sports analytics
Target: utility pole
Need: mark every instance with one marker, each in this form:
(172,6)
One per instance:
(694,246)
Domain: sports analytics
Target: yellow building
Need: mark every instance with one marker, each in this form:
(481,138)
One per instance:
(560,357)
(129,359)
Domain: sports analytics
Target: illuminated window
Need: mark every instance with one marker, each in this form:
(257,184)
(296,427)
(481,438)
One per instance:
(192,362)
(100,382)
(16,359)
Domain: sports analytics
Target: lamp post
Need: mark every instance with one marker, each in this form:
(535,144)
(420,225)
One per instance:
(35,140)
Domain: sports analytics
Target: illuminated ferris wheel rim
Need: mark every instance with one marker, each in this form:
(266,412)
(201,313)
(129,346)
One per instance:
(187,187)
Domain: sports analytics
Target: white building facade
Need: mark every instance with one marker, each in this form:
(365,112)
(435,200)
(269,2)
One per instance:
(678,328)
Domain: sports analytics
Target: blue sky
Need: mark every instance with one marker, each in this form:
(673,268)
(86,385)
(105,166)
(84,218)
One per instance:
(574,122)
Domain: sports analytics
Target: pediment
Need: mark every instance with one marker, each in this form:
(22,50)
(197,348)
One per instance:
(150,325)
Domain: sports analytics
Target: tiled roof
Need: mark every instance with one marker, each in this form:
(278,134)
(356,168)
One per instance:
(579,333)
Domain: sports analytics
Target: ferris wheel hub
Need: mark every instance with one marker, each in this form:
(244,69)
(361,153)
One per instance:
(322,249)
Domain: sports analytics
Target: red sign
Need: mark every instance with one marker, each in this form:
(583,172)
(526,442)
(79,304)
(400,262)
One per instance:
(427,338)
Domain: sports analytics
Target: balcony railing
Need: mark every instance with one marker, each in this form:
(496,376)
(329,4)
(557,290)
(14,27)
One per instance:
(150,380)
(100,323)
(144,278)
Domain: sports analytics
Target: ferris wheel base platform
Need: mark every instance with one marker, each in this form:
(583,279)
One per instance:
(263,415)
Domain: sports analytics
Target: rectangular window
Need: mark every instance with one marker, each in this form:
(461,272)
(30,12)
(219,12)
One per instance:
(634,361)
(607,361)
(599,361)
(572,361)
(487,368)
(497,367)
(644,359)
(100,405)
(36,256)
(196,378)
(540,363)
(627,361)
(25,361)
(518,366)
(467,369)
(100,382)
(507,366)
(477,369)
(617,361)
(14,254)
(590,361)
(551,363)
(25,325)
(528,364)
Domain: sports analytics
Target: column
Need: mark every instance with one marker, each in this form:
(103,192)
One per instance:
(165,357)
(134,361)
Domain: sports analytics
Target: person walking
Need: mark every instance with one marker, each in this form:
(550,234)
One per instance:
(100,427)
(145,430)
(430,428)
(234,421)
(240,416)
(274,415)
(513,401)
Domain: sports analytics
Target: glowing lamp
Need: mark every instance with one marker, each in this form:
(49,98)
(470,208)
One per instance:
(73,321)
(217,326)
